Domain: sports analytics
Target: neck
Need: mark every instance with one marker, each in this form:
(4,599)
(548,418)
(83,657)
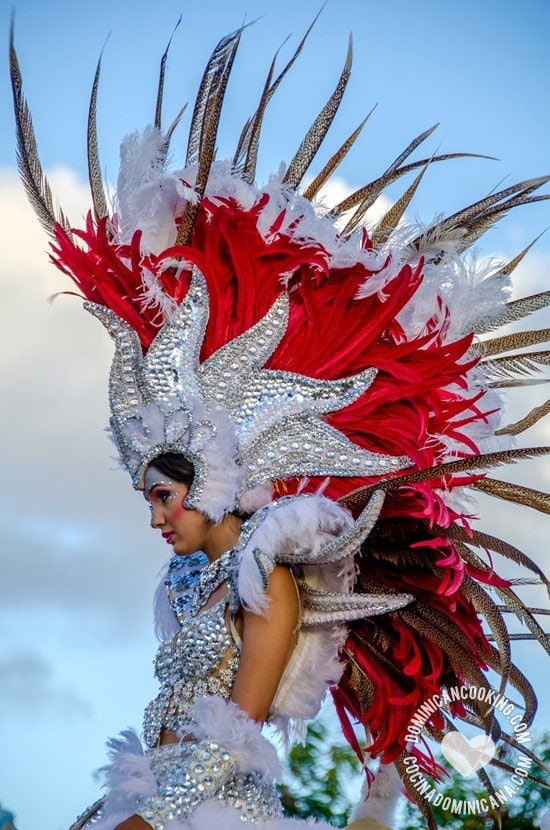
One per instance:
(222,537)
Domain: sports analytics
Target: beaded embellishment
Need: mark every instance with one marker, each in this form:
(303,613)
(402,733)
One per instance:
(228,407)
(200,659)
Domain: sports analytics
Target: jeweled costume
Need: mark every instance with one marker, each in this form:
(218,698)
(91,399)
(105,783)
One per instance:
(326,380)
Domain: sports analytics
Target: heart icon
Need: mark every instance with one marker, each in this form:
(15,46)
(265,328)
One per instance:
(467,755)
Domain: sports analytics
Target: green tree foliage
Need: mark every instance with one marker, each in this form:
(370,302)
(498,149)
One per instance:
(323,781)
(319,776)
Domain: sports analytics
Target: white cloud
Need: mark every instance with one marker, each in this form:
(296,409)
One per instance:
(78,565)
(27,681)
(337,189)
(75,534)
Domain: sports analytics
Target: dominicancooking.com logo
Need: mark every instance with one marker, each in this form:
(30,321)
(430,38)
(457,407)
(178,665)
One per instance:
(467,755)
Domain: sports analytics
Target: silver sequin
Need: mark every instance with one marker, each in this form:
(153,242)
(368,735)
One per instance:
(200,659)
(276,415)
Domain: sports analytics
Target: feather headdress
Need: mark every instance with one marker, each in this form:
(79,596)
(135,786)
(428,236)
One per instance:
(389,348)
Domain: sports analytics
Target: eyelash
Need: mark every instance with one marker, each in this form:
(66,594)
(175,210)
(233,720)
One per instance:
(163,496)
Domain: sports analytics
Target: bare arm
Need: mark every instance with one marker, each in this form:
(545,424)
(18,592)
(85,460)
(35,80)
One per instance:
(267,645)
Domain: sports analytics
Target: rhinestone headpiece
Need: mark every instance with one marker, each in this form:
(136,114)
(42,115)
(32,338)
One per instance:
(241,425)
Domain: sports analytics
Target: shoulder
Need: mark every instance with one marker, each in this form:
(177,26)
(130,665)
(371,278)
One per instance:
(283,602)
(282,583)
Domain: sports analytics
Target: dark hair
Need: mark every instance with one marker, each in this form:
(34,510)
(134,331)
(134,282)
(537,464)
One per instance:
(176,466)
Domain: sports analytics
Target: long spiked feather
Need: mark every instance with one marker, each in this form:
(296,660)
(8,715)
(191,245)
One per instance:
(246,154)
(94,167)
(525,616)
(471,464)
(471,214)
(162,73)
(35,182)
(321,178)
(208,93)
(316,133)
(518,309)
(160,95)
(414,795)
(520,683)
(513,383)
(368,194)
(250,135)
(476,229)
(371,191)
(512,742)
(493,543)
(510,266)
(505,271)
(204,124)
(524,363)
(496,763)
(517,340)
(393,216)
(515,493)
(483,604)
(533,610)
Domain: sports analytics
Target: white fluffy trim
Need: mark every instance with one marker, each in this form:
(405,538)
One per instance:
(127,776)
(313,668)
(148,198)
(166,622)
(211,814)
(223,722)
(217,450)
(380,802)
(298,527)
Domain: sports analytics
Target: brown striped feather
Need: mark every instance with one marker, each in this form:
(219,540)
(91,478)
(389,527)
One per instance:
(515,493)
(95,178)
(318,130)
(532,418)
(32,175)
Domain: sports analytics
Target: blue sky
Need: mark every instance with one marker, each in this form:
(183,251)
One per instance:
(79,563)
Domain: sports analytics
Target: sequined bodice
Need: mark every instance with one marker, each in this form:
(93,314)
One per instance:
(200,659)
(195,650)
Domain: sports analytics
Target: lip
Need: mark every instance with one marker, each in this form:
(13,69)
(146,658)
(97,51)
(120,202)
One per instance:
(168,536)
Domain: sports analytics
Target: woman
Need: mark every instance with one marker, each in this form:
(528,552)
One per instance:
(256,669)
(323,381)
(206,759)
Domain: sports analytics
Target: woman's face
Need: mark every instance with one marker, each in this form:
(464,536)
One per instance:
(186,530)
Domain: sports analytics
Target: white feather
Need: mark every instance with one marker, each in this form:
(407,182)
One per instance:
(128,775)
(298,527)
(381,800)
(220,454)
(166,622)
(148,199)
(211,814)
(314,667)
(223,722)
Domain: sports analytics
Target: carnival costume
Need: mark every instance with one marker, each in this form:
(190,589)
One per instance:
(325,381)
